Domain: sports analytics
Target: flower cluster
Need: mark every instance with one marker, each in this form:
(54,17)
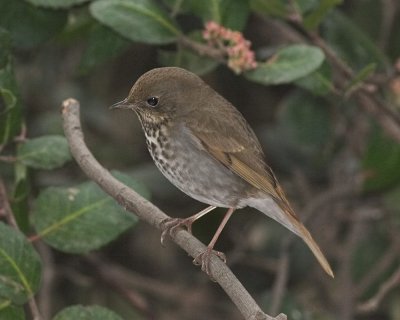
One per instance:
(237,48)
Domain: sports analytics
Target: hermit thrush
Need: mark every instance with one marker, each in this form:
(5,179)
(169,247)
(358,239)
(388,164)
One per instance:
(205,147)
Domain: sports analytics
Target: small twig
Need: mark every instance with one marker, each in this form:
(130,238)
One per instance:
(373,303)
(111,276)
(281,279)
(386,117)
(380,267)
(176,7)
(7,211)
(9,159)
(22,135)
(331,195)
(6,208)
(332,56)
(131,285)
(34,309)
(389,10)
(148,212)
(122,276)
(347,300)
(46,294)
(202,49)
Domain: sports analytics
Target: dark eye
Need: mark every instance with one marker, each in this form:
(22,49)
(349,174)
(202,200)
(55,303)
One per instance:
(153,101)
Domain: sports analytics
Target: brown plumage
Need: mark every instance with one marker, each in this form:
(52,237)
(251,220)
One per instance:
(205,147)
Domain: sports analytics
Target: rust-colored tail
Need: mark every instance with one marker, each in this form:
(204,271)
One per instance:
(285,216)
(308,239)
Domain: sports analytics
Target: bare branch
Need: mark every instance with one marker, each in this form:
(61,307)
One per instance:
(46,294)
(381,266)
(202,49)
(373,303)
(281,278)
(148,212)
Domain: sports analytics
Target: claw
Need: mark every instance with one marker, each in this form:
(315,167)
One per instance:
(203,260)
(170,225)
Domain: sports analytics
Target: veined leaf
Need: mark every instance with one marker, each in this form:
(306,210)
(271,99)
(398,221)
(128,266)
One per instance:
(81,218)
(87,313)
(139,20)
(56,4)
(287,65)
(46,152)
(19,266)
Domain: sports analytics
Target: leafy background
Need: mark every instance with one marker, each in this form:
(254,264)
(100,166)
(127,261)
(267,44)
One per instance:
(324,102)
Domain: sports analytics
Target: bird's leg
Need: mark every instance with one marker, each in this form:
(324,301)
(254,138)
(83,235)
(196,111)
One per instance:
(203,258)
(170,225)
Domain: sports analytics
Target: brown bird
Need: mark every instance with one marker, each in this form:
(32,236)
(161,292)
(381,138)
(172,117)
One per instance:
(205,147)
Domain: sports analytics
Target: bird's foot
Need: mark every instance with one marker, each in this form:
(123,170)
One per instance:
(170,225)
(204,260)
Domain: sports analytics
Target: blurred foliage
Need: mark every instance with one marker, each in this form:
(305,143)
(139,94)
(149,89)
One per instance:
(315,57)
(86,313)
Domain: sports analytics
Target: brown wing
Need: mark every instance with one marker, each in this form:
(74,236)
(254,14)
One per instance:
(232,142)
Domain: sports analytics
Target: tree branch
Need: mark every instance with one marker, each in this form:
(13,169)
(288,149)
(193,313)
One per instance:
(148,212)
(373,303)
(202,49)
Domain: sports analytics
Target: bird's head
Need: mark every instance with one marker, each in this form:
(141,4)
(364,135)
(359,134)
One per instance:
(164,93)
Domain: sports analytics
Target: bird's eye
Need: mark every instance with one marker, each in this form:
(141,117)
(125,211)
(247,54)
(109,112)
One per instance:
(152,101)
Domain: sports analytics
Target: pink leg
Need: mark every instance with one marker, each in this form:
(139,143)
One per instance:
(203,258)
(170,225)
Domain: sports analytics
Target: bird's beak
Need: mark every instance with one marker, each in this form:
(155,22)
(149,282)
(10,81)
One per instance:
(124,104)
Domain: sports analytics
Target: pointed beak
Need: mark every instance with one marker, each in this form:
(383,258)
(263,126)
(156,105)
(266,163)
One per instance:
(124,104)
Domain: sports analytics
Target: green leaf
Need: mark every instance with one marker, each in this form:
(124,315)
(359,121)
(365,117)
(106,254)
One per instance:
(359,78)
(10,107)
(232,14)
(86,313)
(47,152)
(9,99)
(139,20)
(56,4)
(81,218)
(5,44)
(10,311)
(20,196)
(313,19)
(102,45)
(29,25)
(10,116)
(304,6)
(275,8)
(287,65)
(206,10)
(19,266)
(381,162)
(318,82)
(10,113)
